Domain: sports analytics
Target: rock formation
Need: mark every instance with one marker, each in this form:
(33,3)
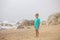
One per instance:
(54,19)
(25,23)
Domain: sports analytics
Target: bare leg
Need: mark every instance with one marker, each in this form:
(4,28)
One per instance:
(37,33)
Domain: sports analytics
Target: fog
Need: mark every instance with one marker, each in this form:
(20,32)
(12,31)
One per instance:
(15,10)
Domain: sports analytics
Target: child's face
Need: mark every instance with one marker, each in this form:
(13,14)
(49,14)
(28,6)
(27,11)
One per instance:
(37,15)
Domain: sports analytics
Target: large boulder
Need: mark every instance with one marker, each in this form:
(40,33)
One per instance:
(20,27)
(31,22)
(43,22)
(54,19)
(24,23)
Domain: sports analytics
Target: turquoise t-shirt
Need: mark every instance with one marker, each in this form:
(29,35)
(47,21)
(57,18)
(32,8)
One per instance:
(36,23)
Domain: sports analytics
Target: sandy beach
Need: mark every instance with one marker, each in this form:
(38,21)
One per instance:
(46,33)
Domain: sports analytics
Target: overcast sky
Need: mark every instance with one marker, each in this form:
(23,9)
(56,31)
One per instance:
(15,10)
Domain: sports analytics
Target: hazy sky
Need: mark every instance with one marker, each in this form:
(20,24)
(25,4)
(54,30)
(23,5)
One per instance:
(14,10)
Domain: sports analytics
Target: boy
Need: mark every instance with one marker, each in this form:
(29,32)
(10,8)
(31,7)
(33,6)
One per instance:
(37,24)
